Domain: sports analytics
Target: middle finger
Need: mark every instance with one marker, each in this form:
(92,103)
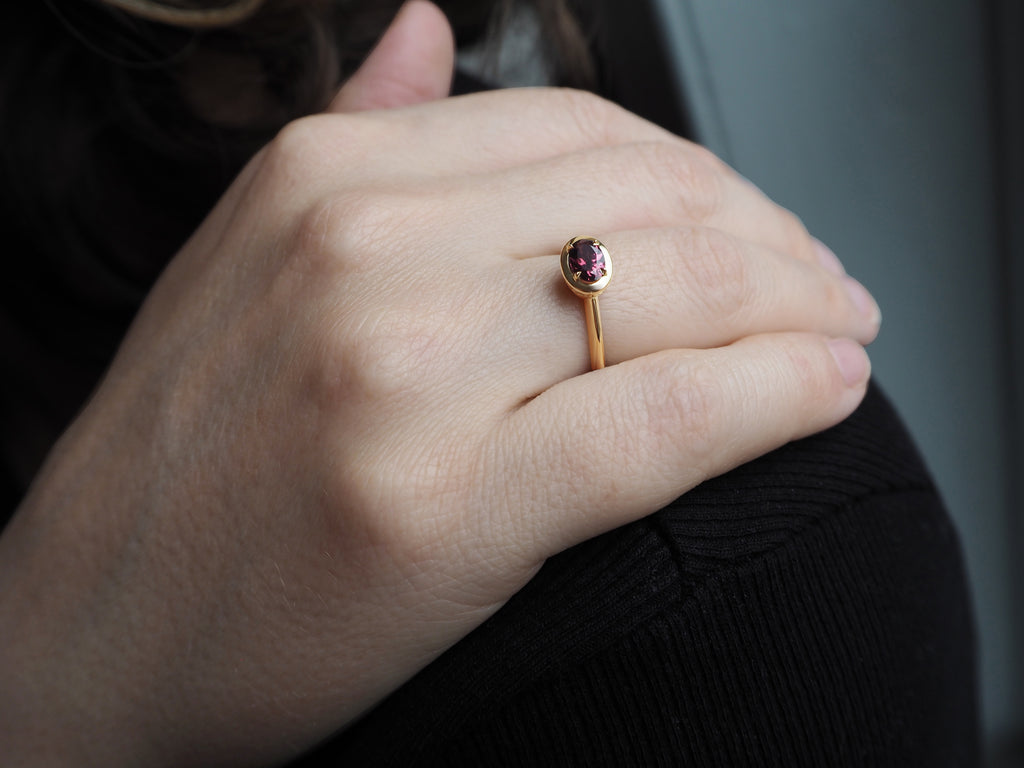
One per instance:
(628,186)
(682,287)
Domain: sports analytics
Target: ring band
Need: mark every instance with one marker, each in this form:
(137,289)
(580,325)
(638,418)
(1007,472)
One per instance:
(587,269)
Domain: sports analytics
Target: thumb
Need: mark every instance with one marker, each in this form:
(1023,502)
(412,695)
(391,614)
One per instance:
(412,63)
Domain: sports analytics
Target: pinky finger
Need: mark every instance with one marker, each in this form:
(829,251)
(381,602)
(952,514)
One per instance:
(606,448)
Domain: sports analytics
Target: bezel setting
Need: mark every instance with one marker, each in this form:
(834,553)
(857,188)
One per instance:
(574,280)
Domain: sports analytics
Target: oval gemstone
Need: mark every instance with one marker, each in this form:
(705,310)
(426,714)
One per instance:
(587,260)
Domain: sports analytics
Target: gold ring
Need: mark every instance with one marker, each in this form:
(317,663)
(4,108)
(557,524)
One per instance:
(587,269)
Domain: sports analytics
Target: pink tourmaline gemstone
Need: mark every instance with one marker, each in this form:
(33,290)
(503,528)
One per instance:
(587,259)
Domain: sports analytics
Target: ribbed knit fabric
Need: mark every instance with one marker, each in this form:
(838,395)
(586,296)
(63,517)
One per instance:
(807,609)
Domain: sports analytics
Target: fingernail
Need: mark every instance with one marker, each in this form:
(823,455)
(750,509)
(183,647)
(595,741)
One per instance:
(852,360)
(863,301)
(828,259)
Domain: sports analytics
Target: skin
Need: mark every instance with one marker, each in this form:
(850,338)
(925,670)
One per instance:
(354,416)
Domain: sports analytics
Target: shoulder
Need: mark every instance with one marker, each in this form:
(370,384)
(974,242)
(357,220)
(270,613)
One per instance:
(807,608)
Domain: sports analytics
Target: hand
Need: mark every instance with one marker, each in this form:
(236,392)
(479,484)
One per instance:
(354,416)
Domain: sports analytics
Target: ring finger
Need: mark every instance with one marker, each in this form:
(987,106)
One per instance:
(684,287)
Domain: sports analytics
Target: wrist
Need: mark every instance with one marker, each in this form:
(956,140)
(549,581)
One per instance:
(68,696)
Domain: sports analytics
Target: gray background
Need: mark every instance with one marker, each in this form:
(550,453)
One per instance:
(894,130)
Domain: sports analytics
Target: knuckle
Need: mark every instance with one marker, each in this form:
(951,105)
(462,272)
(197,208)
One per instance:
(369,360)
(357,359)
(378,338)
(816,380)
(590,114)
(694,403)
(298,136)
(393,351)
(805,364)
(835,298)
(685,179)
(366,220)
(400,501)
(393,493)
(682,403)
(314,145)
(711,162)
(296,147)
(795,237)
(370,511)
(313,238)
(360,338)
(352,228)
(719,274)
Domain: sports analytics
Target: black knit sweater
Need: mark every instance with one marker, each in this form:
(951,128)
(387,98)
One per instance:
(807,609)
